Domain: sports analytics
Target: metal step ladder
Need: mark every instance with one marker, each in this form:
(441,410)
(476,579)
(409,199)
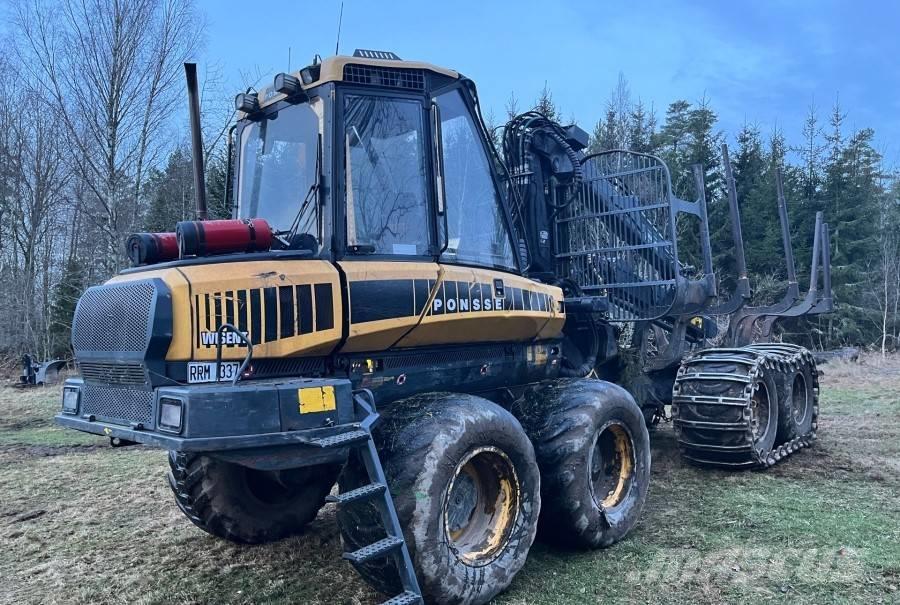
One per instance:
(393,543)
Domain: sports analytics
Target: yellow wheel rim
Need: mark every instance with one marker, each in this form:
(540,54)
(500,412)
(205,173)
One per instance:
(481,506)
(611,465)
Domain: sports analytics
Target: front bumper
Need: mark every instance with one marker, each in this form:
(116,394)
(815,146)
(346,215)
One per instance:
(250,417)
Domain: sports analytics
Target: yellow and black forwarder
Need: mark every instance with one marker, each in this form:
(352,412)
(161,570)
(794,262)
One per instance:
(400,308)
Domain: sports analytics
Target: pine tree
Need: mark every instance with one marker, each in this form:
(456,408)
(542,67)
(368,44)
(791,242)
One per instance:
(171,193)
(854,186)
(596,141)
(62,310)
(219,194)
(811,153)
(609,138)
(512,106)
(675,129)
(755,184)
(642,129)
(545,105)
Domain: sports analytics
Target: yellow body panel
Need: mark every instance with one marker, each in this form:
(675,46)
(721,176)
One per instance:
(381,334)
(261,297)
(291,308)
(542,320)
(408,304)
(180,347)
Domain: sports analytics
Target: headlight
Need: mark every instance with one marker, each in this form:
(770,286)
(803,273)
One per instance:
(70,400)
(170,414)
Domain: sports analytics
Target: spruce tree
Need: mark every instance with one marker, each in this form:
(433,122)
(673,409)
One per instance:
(171,193)
(544,104)
(62,309)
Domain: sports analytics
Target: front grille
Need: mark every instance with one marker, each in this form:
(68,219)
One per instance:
(291,366)
(113,373)
(118,405)
(408,79)
(114,317)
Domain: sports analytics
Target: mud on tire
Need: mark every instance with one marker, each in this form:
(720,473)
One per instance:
(467,492)
(246,505)
(593,449)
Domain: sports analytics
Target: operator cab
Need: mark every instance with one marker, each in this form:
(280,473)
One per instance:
(373,157)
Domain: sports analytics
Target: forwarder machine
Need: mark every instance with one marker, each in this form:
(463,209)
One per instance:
(398,307)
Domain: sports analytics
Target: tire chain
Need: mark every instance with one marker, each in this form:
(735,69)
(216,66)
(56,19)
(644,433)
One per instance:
(781,358)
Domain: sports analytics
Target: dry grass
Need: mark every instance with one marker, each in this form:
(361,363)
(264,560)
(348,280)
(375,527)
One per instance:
(83,523)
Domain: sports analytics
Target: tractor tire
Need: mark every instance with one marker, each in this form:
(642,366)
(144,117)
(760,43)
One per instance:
(245,505)
(797,403)
(726,406)
(467,492)
(593,449)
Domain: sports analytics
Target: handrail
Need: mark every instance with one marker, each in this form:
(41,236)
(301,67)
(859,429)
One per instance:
(247,358)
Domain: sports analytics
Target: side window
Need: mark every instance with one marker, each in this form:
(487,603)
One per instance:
(477,230)
(387,208)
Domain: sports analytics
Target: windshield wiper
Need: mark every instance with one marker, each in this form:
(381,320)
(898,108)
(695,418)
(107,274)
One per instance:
(309,200)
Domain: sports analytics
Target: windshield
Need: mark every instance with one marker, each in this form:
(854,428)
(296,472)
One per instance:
(278,157)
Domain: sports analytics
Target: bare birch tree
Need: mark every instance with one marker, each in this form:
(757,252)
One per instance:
(110,73)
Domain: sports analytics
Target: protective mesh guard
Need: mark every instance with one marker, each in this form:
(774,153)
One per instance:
(616,238)
(410,79)
(118,405)
(114,317)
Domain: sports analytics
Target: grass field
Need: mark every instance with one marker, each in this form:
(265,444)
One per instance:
(84,523)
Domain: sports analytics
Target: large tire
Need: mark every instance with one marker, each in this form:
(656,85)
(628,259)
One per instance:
(245,505)
(797,403)
(452,463)
(726,408)
(593,449)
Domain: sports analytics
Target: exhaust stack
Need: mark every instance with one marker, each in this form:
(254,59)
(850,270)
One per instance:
(190,72)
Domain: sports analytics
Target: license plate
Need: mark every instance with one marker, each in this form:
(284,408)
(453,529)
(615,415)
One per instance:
(204,371)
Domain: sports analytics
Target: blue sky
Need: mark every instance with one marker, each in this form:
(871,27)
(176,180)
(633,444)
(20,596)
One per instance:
(762,63)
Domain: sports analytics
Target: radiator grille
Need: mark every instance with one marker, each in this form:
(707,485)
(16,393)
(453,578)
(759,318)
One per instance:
(408,79)
(118,405)
(113,373)
(296,366)
(114,317)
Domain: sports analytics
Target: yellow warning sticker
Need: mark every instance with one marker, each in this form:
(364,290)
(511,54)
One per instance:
(316,399)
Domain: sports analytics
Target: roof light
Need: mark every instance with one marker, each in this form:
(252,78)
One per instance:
(287,84)
(310,74)
(246,102)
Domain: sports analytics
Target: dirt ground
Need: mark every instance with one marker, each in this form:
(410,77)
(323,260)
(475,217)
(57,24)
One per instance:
(81,522)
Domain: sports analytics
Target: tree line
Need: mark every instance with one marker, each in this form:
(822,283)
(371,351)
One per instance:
(831,168)
(94,146)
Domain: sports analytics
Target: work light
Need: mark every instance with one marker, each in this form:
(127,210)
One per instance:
(170,414)
(70,400)
(287,84)
(246,102)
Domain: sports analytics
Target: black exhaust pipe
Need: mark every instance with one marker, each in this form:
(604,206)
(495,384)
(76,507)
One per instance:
(193,90)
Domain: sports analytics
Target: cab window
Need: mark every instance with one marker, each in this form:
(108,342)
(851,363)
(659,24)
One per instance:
(278,158)
(386,188)
(477,232)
